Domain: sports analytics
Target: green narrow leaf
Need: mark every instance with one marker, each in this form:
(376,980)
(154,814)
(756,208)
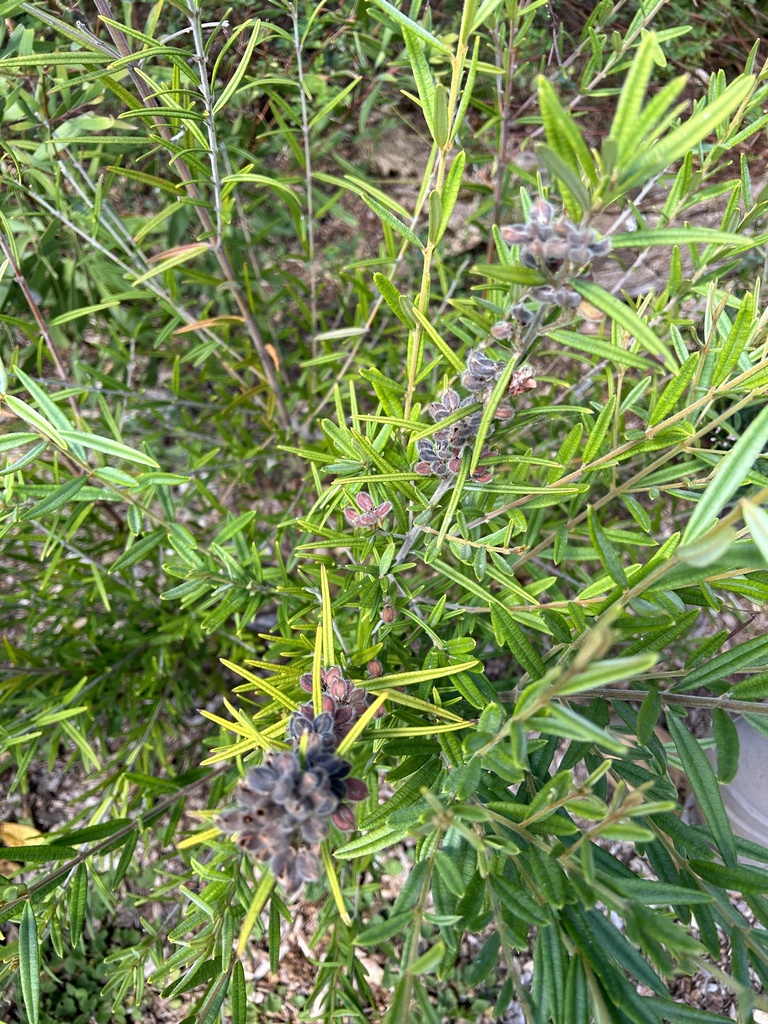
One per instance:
(237,76)
(705,788)
(238,997)
(183,254)
(440,116)
(600,349)
(77,894)
(728,477)
(57,497)
(466,92)
(683,236)
(737,339)
(29,964)
(756,520)
(624,126)
(422,75)
(508,632)
(604,673)
(387,217)
(25,459)
(648,715)
(411,26)
(674,391)
(108,446)
(736,877)
(726,744)
(445,349)
(625,317)
(394,299)
(563,135)
(138,550)
(685,138)
(598,431)
(576,1006)
(576,198)
(34,419)
(435,215)
(606,552)
(451,188)
(274,934)
(69,59)
(406,795)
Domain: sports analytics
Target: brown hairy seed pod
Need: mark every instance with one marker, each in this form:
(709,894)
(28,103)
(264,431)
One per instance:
(579,255)
(501,330)
(563,227)
(522,381)
(567,298)
(555,249)
(515,234)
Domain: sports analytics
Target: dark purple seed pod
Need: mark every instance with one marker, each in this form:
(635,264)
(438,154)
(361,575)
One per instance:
(541,211)
(545,294)
(473,383)
(426,450)
(356,790)
(343,818)
(601,247)
(521,314)
(528,259)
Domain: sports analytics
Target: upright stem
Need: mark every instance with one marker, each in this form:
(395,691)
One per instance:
(193,192)
(422,302)
(307,177)
(210,120)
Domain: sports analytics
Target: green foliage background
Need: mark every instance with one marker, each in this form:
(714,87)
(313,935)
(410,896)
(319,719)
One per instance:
(203,364)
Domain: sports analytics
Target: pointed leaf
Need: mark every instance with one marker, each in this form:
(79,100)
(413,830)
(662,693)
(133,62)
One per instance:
(728,477)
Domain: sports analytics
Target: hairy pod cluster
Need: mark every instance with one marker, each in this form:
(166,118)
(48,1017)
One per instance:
(444,461)
(287,803)
(558,247)
(343,702)
(441,454)
(370,513)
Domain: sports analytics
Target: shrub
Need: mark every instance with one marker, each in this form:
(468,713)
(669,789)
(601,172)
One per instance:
(222,331)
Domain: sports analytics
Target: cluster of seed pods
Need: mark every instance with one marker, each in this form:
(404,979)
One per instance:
(287,803)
